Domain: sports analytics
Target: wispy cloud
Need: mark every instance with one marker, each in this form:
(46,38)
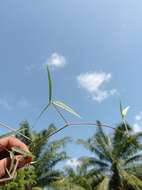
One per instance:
(30,67)
(56,60)
(9,104)
(137,127)
(92,82)
(73,163)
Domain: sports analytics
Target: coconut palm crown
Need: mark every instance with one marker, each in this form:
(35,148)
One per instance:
(117,159)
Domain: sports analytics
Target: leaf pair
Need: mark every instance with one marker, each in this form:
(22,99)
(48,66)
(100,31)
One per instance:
(56,103)
(123,111)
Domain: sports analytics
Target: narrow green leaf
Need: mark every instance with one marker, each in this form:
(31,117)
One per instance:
(50,96)
(121,110)
(65,107)
(49,84)
(21,151)
(123,114)
(125,110)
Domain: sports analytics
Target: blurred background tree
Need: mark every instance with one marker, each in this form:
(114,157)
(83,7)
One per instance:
(47,155)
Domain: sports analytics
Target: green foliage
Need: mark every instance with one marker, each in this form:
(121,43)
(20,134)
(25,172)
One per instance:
(117,157)
(47,153)
(116,164)
(25,176)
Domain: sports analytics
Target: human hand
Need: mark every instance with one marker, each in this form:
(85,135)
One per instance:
(6,143)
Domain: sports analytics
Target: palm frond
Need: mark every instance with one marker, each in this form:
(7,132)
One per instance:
(135,158)
(131,180)
(101,133)
(104,184)
(93,148)
(91,161)
(124,145)
(58,143)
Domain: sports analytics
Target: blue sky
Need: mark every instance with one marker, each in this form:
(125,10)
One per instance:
(94,49)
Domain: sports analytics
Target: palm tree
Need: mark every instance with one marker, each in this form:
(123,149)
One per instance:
(47,154)
(117,159)
(78,178)
(72,180)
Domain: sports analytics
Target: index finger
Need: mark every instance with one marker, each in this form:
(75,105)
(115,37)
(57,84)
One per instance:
(9,142)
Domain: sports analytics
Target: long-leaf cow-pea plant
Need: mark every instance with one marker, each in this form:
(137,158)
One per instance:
(58,106)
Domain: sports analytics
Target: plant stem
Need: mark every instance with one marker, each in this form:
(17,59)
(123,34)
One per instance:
(12,129)
(83,123)
(60,114)
(91,124)
(58,130)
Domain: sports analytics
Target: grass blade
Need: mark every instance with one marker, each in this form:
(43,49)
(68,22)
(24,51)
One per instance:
(123,114)
(121,110)
(50,96)
(125,110)
(65,107)
(49,84)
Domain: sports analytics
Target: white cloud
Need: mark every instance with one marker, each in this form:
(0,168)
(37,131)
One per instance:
(137,127)
(92,82)
(56,60)
(73,163)
(138,117)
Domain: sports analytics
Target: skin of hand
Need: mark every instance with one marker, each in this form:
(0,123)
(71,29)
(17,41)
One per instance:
(7,143)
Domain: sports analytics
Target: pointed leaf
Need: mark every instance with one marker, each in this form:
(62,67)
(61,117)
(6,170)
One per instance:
(65,107)
(121,110)
(49,84)
(125,110)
